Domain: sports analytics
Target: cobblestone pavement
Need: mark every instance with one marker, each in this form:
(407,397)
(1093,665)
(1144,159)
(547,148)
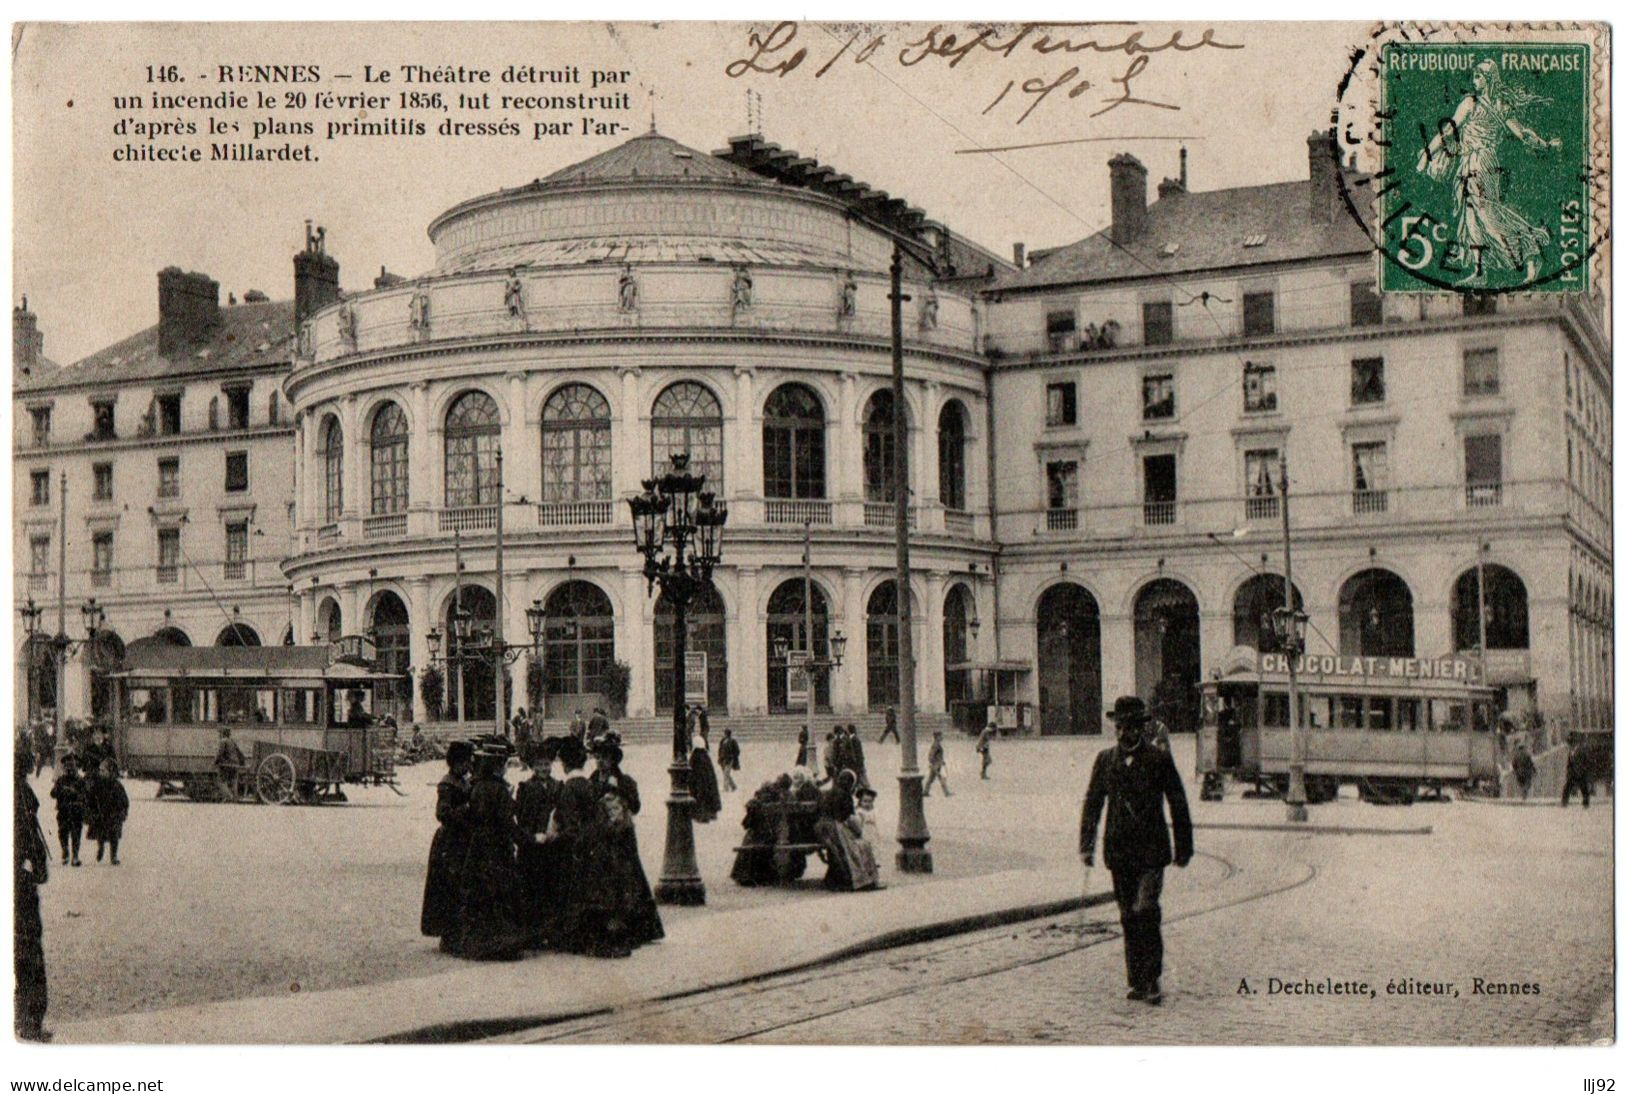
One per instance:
(1508,897)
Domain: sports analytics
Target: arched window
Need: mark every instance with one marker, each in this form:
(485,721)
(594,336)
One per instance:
(708,635)
(1168,652)
(575,445)
(787,619)
(471,690)
(1069,687)
(580,641)
(1506,610)
(883,646)
(951,455)
(473,428)
(1260,595)
(390,492)
(1374,616)
(793,444)
(957,612)
(879,451)
(332,470)
(688,418)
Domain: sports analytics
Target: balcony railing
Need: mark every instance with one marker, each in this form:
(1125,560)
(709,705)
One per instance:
(384,526)
(168,575)
(1267,507)
(1161,512)
(472,518)
(787,511)
(575,514)
(958,522)
(236,569)
(38,582)
(327,534)
(1370,501)
(1061,520)
(883,514)
(1483,494)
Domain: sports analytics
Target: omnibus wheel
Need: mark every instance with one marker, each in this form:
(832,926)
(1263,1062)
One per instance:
(276,780)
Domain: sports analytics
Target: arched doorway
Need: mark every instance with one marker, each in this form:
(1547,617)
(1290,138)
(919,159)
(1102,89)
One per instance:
(391,634)
(237,634)
(787,619)
(1069,699)
(1259,596)
(173,636)
(102,658)
(580,648)
(1506,610)
(957,612)
(884,646)
(471,689)
(708,635)
(1168,652)
(329,621)
(1374,616)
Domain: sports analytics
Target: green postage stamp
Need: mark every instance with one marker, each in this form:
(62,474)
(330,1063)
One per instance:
(1485,181)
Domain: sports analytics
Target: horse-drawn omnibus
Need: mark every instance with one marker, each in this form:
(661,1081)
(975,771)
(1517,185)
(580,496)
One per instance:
(301,718)
(1393,726)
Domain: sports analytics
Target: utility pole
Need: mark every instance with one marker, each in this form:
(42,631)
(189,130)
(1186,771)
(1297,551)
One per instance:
(807,666)
(1483,628)
(499,665)
(912,833)
(61,660)
(455,642)
(1296,798)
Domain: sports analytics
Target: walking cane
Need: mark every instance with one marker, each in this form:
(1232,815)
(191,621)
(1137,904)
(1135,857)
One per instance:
(1085,914)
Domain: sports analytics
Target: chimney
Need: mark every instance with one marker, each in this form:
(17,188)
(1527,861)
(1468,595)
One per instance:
(385,279)
(1168,187)
(1128,198)
(1324,162)
(188,309)
(1019,253)
(1184,183)
(315,276)
(27,343)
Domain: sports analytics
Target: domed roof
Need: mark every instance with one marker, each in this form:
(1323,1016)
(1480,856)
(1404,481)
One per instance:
(650,158)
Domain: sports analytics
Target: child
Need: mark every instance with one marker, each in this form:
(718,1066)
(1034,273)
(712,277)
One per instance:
(69,792)
(107,806)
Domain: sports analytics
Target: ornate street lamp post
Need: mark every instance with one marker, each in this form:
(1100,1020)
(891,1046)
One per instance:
(677,527)
(466,643)
(31,613)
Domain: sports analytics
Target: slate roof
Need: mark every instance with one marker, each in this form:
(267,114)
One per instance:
(1190,232)
(646,158)
(248,335)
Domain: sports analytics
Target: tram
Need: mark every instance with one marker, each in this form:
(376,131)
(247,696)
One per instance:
(1392,726)
(301,716)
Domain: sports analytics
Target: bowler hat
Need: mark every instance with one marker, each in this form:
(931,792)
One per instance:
(1128,710)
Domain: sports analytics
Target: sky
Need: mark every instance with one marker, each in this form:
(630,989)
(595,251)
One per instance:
(90,234)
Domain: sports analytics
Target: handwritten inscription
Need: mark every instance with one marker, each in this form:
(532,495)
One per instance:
(784,50)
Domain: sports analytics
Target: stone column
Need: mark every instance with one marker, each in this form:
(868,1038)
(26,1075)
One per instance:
(1116,657)
(521,449)
(356,501)
(417,591)
(930,684)
(845,478)
(634,642)
(742,450)
(304,623)
(926,487)
(298,480)
(747,656)
(350,606)
(629,438)
(853,675)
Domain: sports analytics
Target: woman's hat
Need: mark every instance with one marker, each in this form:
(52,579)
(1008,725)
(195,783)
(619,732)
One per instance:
(1128,710)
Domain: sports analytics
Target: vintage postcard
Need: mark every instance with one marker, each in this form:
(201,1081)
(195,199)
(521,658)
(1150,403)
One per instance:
(813,533)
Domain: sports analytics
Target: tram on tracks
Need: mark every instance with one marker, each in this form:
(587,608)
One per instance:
(1392,726)
(301,716)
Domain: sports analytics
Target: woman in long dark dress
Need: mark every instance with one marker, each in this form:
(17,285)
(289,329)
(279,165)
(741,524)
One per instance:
(541,865)
(847,869)
(753,862)
(107,806)
(442,888)
(702,774)
(637,919)
(487,918)
(801,747)
(583,845)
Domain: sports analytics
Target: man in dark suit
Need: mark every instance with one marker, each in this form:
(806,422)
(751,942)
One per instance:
(1130,782)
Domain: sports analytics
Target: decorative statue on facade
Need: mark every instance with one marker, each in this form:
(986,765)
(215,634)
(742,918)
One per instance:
(347,323)
(420,313)
(849,298)
(1102,337)
(304,339)
(214,413)
(513,296)
(628,290)
(743,289)
(928,311)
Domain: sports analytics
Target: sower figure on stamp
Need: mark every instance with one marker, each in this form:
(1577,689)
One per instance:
(1129,782)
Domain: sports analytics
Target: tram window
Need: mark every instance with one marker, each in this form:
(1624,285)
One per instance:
(149,706)
(300,706)
(238,705)
(1275,712)
(352,706)
(1409,710)
(1317,711)
(1381,714)
(1448,715)
(201,705)
(1348,712)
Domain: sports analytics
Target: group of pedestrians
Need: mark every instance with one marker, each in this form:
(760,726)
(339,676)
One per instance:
(555,867)
(843,751)
(90,800)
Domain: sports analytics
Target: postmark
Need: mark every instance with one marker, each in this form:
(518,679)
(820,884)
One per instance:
(1480,174)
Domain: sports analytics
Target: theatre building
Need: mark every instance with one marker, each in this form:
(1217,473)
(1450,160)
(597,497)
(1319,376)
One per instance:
(1172,361)
(651,300)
